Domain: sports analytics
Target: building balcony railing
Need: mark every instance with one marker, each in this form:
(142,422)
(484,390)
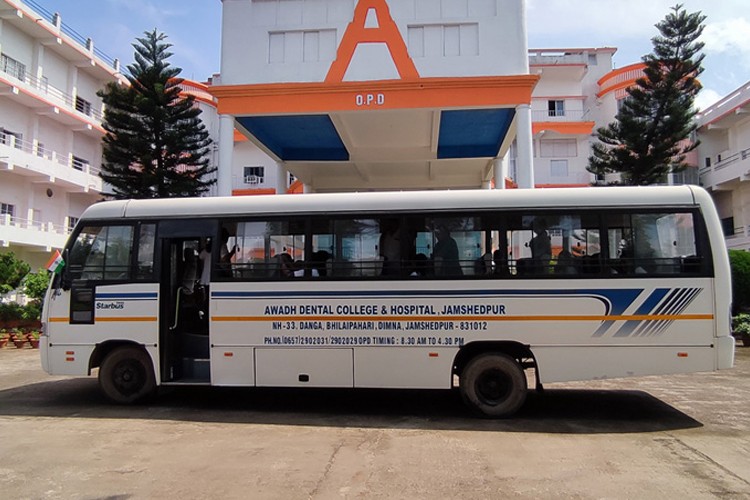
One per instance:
(86,43)
(28,232)
(735,167)
(248,182)
(568,115)
(553,57)
(34,159)
(42,88)
(620,78)
(726,106)
(573,178)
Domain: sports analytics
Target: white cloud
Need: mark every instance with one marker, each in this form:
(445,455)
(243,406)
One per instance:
(729,36)
(706,97)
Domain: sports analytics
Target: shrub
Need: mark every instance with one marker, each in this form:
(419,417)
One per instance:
(32,311)
(740,262)
(10,311)
(35,284)
(12,271)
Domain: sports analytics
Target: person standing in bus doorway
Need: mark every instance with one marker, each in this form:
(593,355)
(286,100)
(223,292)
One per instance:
(205,260)
(225,255)
(204,257)
(446,254)
(541,246)
(390,248)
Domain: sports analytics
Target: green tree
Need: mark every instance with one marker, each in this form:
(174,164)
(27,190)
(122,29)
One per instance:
(35,284)
(648,139)
(12,271)
(155,144)
(740,265)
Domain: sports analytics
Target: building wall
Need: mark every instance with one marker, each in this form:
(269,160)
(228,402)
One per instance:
(724,162)
(38,176)
(296,40)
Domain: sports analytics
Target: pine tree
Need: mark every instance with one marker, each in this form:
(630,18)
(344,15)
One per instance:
(155,144)
(648,140)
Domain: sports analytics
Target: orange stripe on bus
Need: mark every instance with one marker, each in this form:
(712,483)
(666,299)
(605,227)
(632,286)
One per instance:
(635,317)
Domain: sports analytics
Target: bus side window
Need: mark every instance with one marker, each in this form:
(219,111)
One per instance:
(102,253)
(145,257)
(652,243)
(265,250)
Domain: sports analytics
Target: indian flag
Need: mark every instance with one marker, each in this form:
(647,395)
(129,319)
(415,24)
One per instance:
(56,262)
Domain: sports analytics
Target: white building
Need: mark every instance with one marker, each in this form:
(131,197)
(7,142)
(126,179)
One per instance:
(724,154)
(351,95)
(577,92)
(50,129)
(373,94)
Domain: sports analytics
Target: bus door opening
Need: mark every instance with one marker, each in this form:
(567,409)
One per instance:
(185,298)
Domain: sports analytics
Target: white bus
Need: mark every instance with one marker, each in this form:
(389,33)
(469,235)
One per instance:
(472,290)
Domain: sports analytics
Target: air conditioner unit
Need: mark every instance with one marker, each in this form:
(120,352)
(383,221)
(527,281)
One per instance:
(252,179)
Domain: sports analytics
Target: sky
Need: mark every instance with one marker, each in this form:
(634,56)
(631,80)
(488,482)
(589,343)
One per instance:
(193,27)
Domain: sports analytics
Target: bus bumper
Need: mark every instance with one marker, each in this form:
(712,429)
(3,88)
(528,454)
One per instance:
(725,352)
(44,352)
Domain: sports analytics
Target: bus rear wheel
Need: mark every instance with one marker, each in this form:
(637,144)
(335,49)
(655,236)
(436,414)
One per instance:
(127,375)
(493,385)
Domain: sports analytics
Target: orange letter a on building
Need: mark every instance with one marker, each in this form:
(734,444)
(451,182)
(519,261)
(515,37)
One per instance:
(386,32)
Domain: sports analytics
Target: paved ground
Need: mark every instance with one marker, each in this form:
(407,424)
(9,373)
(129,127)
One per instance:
(684,436)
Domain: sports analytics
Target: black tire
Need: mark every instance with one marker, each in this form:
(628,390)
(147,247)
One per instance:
(127,375)
(493,385)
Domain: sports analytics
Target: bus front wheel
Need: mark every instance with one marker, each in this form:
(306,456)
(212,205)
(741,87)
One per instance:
(493,385)
(127,375)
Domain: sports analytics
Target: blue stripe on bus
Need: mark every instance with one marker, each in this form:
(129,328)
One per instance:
(661,301)
(127,296)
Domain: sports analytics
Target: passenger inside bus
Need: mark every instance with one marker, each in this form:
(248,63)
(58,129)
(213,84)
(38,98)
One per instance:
(445,254)
(565,263)
(541,246)
(501,263)
(190,271)
(225,255)
(285,267)
(390,247)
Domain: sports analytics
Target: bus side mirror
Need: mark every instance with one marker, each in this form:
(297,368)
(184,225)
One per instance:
(64,277)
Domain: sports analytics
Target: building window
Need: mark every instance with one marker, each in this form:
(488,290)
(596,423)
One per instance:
(12,67)
(558,148)
(727,225)
(687,176)
(6,137)
(80,164)
(83,106)
(558,168)
(301,46)
(708,162)
(253,175)
(556,108)
(435,40)
(290,178)
(72,221)
(7,211)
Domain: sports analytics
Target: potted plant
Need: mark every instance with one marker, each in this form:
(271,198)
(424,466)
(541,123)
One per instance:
(19,338)
(33,338)
(4,338)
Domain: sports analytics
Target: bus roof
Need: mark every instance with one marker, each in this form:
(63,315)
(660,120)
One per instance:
(391,202)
